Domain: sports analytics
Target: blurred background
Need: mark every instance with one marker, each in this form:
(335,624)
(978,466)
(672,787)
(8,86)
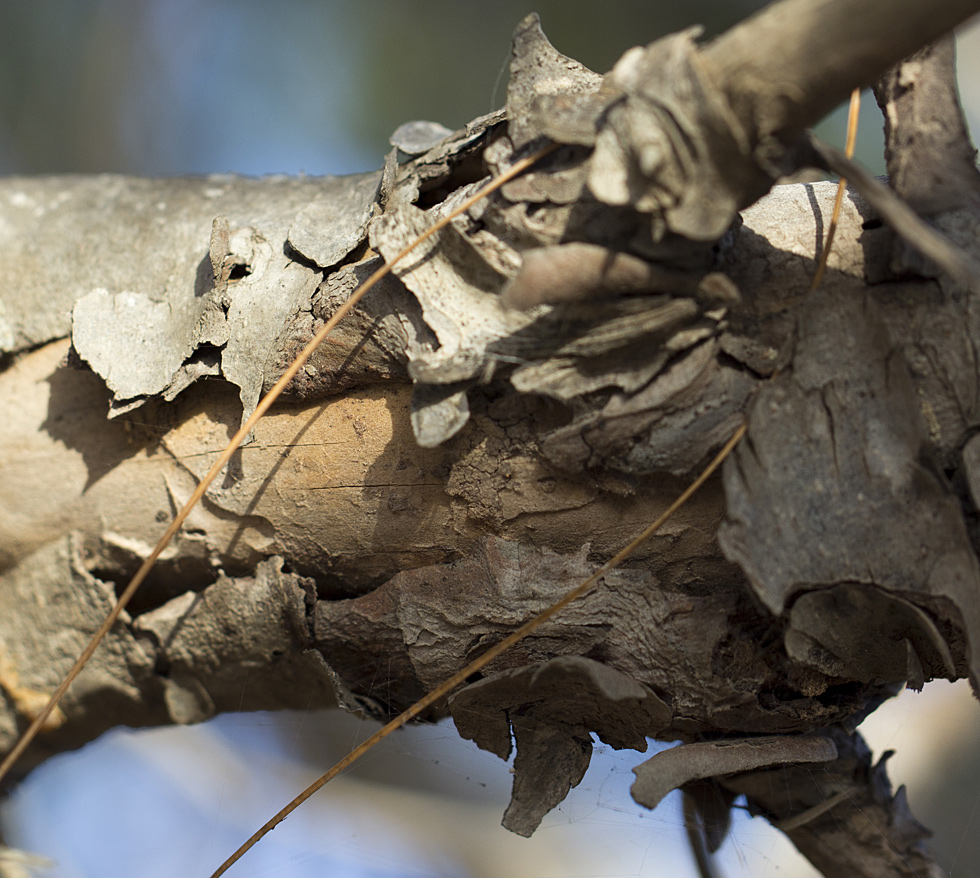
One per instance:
(163,87)
(173,87)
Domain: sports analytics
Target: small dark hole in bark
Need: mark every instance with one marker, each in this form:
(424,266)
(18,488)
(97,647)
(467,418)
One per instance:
(238,272)
(872,224)
(467,170)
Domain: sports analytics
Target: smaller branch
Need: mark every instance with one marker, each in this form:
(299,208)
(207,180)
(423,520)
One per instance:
(793,62)
(931,161)
(843,816)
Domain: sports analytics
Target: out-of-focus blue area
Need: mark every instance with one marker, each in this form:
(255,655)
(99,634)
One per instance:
(173,802)
(248,88)
(158,87)
(164,87)
(179,87)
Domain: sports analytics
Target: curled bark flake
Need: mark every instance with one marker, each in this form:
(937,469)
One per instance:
(434,169)
(424,625)
(368,347)
(552,707)
(539,71)
(828,631)
(457,290)
(565,353)
(240,643)
(577,271)
(662,149)
(55,601)
(671,424)
(330,227)
(418,137)
(224,314)
(670,769)
(618,345)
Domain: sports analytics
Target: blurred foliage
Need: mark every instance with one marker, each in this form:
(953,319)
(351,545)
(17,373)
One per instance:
(316,86)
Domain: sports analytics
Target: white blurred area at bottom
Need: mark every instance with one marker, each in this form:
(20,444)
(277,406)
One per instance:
(175,802)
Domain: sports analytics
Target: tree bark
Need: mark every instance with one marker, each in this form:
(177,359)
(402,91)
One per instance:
(446,466)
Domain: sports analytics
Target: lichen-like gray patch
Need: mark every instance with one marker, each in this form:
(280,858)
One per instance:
(326,230)
(227,313)
(415,138)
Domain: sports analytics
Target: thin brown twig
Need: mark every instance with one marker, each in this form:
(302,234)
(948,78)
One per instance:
(853,113)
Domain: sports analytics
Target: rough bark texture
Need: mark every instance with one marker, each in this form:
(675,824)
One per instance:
(842,815)
(449,464)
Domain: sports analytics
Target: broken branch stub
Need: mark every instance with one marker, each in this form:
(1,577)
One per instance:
(843,816)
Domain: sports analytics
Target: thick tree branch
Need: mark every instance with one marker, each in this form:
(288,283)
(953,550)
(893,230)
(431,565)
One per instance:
(447,466)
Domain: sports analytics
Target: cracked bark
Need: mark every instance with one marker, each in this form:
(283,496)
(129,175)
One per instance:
(433,480)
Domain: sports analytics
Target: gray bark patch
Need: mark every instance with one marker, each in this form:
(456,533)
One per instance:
(829,488)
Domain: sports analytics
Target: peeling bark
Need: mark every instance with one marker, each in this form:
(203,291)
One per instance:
(844,817)
(446,466)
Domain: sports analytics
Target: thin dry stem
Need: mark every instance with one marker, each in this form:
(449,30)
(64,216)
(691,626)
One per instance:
(853,114)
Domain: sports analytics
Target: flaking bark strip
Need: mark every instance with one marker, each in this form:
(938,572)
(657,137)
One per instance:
(672,768)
